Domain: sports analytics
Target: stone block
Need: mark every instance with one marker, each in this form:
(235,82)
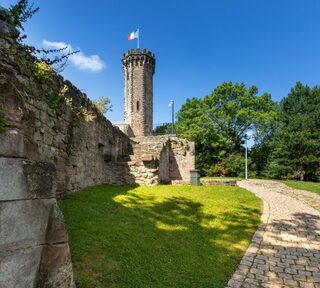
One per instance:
(37,137)
(55,267)
(4,14)
(57,230)
(48,138)
(8,30)
(22,179)
(12,143)
(11,100)
(40,178)
(24,223)
(191,147)
(147,157)
(13,183)
(19,268)
(135,163)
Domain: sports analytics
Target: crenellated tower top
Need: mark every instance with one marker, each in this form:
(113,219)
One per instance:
(139,57)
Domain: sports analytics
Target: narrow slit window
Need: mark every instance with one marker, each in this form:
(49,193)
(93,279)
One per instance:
(138,105)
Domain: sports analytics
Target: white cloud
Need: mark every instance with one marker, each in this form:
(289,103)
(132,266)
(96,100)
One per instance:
(80,60)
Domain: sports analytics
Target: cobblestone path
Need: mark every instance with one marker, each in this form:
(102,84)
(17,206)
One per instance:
(285,250)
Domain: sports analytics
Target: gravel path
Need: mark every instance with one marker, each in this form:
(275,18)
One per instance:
(285,250)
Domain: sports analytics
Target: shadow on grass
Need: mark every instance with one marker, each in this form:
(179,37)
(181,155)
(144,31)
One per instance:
(123,237)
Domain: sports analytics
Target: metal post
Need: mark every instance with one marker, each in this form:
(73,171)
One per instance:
(246,158)
(172,128)
(171,104)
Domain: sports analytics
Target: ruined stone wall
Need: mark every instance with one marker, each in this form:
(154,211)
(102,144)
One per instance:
(34,250)
(145,160)
(161,160)
(54,142)
(83,146)
(181,160)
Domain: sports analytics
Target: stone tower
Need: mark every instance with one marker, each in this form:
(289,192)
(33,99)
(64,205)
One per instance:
(138,67)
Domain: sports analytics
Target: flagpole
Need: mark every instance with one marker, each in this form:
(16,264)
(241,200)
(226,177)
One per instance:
(138,38)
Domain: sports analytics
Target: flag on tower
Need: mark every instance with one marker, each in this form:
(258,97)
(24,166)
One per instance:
(133,35)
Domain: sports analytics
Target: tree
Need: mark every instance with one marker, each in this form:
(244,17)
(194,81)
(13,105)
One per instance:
(194,124)
(260,155)
(296,144)
(103,104)
(219,122)
(162,129)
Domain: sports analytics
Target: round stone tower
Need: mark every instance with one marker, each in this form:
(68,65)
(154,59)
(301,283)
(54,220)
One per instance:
(138,67)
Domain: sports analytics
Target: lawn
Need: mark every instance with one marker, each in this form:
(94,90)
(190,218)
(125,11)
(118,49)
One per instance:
(163,236)
(308,186)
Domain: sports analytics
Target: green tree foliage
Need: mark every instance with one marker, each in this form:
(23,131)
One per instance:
(259,156)
(103,104)
(163,129)
(296,143)
(218,124)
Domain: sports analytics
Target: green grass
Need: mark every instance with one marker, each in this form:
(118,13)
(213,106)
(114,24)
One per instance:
(163,236)
(308,186)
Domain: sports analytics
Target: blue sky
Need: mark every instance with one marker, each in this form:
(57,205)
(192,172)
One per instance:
(198,45)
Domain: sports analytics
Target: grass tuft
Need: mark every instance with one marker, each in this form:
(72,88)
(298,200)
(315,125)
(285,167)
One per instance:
(302,185)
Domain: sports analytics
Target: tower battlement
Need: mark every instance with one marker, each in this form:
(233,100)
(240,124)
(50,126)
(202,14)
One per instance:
(138,57)
(138,68)
(138,52)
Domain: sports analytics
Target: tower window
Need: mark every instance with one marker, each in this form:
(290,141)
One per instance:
(138,105)
(127,76)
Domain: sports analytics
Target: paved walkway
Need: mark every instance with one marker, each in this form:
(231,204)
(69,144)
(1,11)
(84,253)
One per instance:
(285,250)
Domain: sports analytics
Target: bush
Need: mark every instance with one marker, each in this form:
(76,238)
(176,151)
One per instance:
(232,165)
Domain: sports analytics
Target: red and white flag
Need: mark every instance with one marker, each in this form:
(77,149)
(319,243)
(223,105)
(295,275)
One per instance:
(133,35)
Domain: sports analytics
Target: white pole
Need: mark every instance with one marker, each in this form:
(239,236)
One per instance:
(171,105)
(246,159)
(172,132)
(138,38)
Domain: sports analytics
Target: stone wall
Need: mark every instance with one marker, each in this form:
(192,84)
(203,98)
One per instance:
(54,143)
(83,146)
(34,249)
(181,160)
(161,160)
